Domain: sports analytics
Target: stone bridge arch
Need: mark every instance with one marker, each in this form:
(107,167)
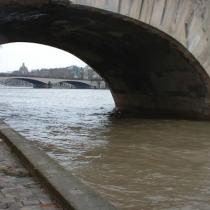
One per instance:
(77,84)
(35,82)
(150,68)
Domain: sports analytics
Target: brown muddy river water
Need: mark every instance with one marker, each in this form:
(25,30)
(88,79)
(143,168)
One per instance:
(134,163)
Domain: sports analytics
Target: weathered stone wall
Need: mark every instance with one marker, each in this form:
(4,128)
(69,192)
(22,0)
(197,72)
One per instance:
(24,2)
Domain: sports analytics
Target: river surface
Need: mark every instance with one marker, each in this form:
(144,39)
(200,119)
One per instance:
(134,163)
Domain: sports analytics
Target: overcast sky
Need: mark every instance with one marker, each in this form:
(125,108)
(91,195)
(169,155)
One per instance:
(34,56)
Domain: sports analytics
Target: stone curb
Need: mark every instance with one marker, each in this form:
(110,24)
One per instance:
(65,188)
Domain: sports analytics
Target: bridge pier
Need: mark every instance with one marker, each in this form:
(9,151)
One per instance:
(42,85)
(162,107)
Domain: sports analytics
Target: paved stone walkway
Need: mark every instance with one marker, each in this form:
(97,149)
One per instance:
(18,190)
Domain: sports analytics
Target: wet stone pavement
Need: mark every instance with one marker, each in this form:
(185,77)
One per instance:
(18,190)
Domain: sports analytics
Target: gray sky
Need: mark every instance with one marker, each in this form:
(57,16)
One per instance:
(35,56)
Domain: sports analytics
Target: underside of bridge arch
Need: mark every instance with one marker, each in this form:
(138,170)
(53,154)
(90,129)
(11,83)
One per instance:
(148,72)
(77,84)
(36,83)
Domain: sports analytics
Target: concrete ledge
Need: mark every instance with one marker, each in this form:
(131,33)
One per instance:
(62,185)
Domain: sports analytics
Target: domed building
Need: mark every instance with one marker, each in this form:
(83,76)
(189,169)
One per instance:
(23,70)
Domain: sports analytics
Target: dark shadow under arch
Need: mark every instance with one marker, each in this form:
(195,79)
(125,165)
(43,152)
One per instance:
(148,72)
(77,84)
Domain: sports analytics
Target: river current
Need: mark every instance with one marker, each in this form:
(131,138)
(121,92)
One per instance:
(134,163)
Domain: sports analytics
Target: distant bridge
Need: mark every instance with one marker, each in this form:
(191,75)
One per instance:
(40,82)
